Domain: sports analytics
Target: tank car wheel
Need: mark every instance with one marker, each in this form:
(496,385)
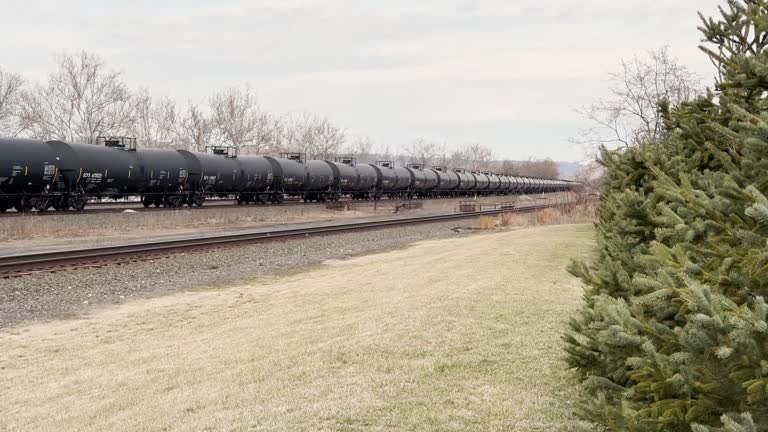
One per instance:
(23,205)
(172,201)
(146,201)
(59,203)
(198,200)
(79,203)
(42,204)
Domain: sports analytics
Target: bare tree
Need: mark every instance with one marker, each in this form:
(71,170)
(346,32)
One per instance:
(474,156)
(317,137)
(239,120)
(545,168)
(195,128)
(631,113)
(591,176)
(361,147)
(155,121)
(507,167)
(11,86)
(422,151)
(384,152)
(80,101)
(479,157)
(298,134)
(329,139)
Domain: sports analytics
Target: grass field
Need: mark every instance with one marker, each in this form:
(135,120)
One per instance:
(451,335)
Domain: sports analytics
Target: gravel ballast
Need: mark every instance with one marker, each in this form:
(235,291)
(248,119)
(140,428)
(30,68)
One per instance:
(72,293)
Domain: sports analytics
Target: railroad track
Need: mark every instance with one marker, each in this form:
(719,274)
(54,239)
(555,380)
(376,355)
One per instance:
(120,207)
(135,206)
(25,265)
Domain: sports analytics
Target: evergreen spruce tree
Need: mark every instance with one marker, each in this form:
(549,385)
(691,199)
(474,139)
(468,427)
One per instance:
(674,331)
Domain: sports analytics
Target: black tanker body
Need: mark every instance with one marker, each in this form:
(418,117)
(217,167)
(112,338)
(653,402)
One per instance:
(536,185)
(166,175)
(404,180)
(320,178)
(290,176)
(481,182)
(512,184)
(27,169)
(467,182)
(345,179)
(494,182)
(517,184)
(94,171)
(448,183)
(424,181)
(368,177)
(524,185)
(219,175)
(387,181)
(37,175)
(259,174)
(504,186)
(418,182)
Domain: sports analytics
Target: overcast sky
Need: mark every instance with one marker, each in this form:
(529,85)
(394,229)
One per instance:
(506,73)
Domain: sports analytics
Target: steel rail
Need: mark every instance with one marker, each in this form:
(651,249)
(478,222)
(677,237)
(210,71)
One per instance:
(115,208)
(12,263)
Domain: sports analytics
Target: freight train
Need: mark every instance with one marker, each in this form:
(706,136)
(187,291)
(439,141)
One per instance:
(41,175)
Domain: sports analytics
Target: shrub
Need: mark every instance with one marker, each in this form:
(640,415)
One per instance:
(673,334)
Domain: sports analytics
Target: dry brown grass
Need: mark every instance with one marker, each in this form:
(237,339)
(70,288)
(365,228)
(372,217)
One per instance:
(571,213)
(515,220)
(452,335)
(489,222)
(548,216)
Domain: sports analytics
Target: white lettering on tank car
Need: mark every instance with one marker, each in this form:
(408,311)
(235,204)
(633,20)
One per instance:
(48,171)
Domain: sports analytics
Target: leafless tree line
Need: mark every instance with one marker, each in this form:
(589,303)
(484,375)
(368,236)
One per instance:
(82,100)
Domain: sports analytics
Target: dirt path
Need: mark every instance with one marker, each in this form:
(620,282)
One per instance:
(456,334)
